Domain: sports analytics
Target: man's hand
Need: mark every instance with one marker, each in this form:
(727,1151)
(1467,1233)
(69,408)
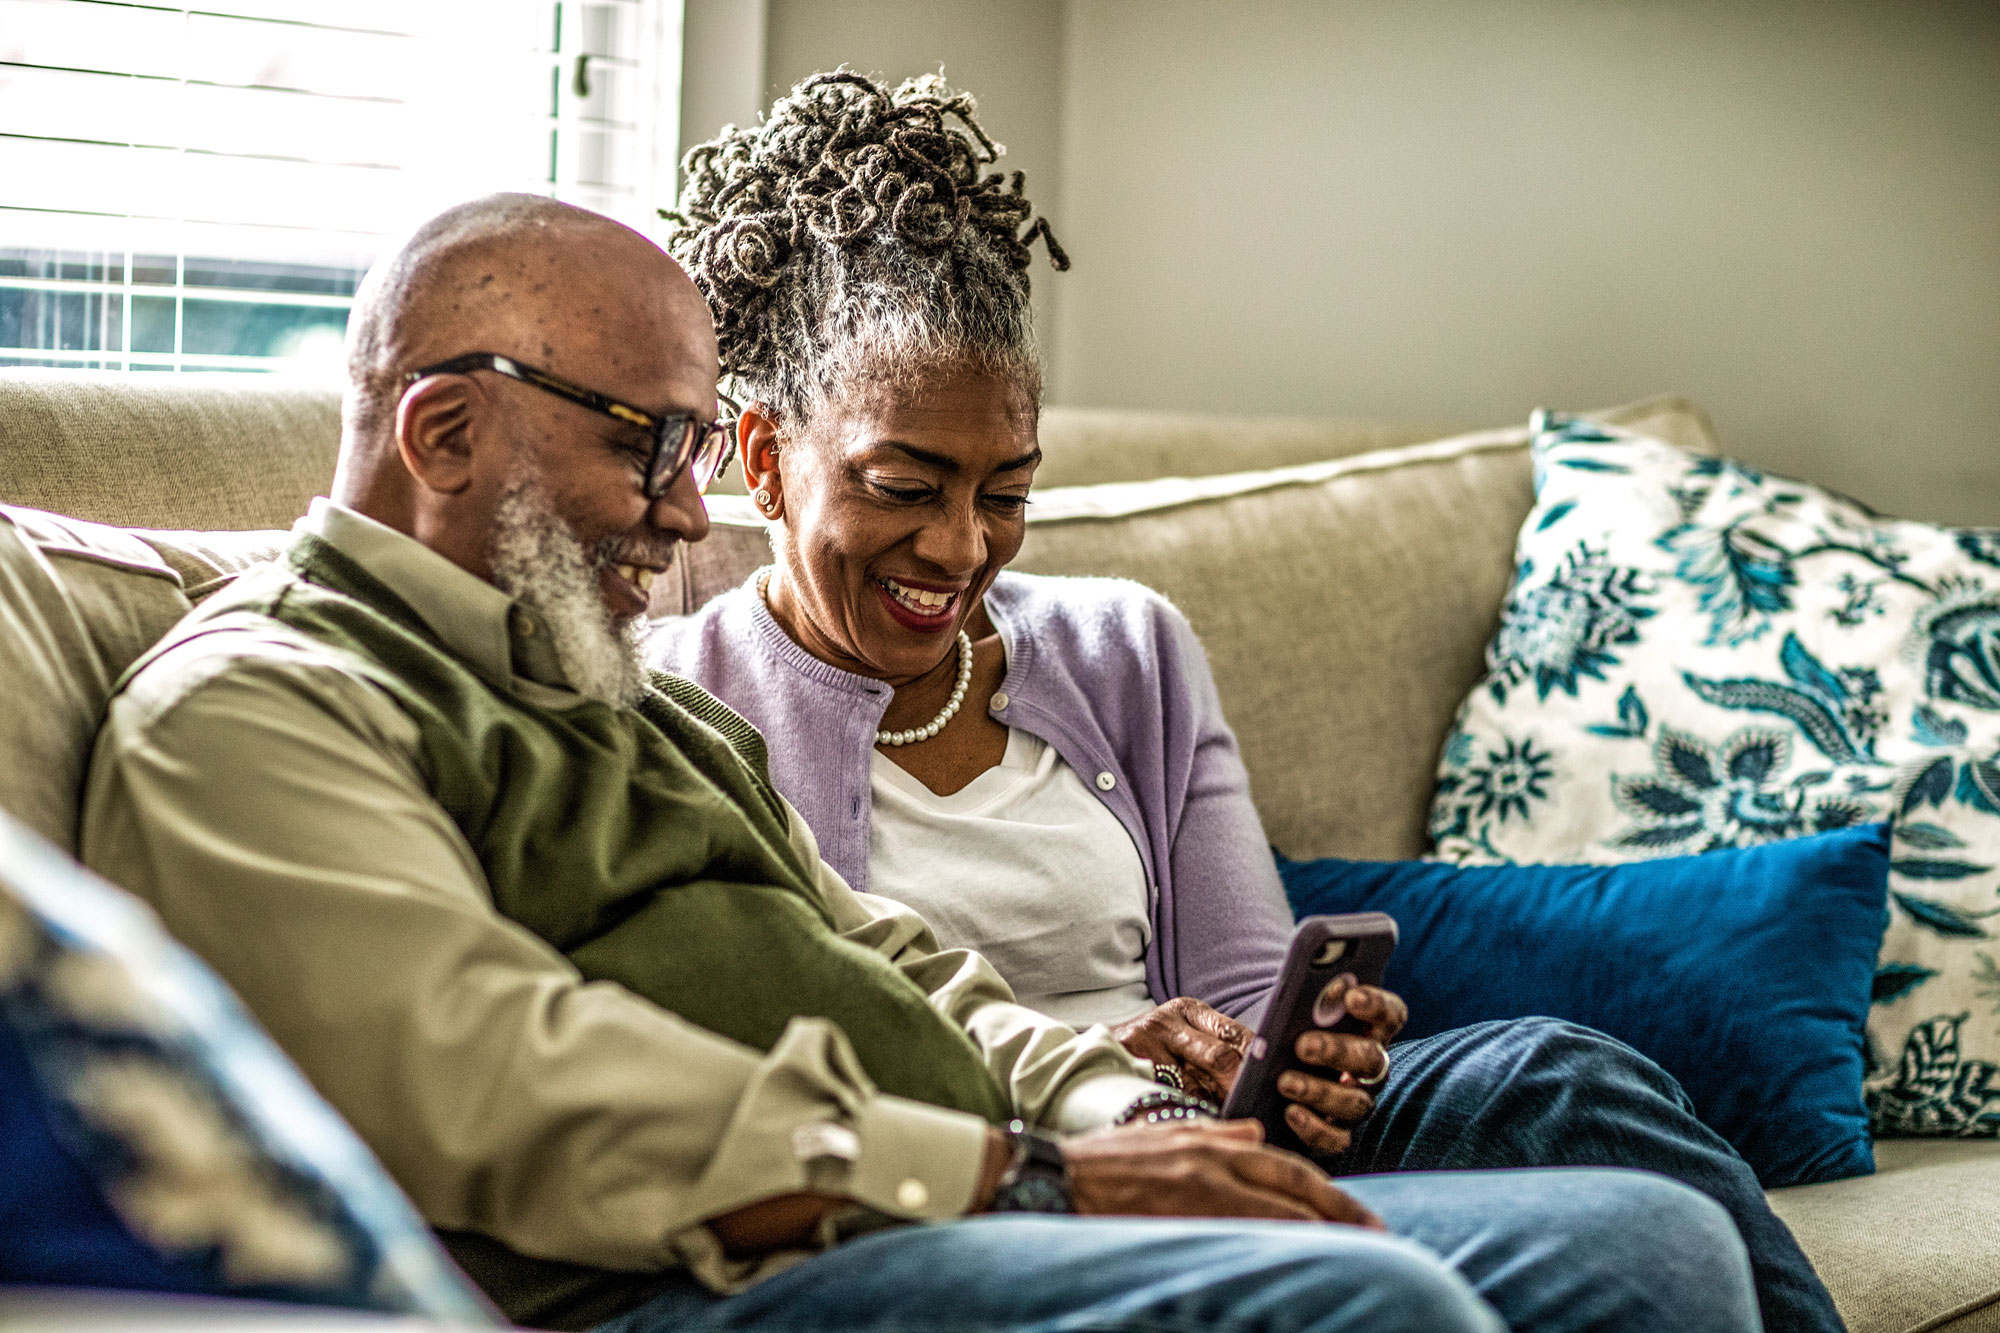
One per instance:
(1205,1046)
(1202,1168)
(1324,1111)
(786,1222)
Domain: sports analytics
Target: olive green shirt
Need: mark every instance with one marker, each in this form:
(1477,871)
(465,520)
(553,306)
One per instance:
(270,803)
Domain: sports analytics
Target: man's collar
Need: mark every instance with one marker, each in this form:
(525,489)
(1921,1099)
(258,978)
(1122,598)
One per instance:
(502,640)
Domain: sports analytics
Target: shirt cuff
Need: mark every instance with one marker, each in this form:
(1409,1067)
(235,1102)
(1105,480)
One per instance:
(916,1161)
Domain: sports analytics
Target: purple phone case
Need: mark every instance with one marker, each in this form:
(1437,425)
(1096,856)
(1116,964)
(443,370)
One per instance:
(1369,938)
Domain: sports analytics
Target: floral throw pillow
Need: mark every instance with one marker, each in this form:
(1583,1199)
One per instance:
(1696,655)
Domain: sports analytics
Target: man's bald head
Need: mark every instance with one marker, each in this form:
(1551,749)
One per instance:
(560,288)
(543,496)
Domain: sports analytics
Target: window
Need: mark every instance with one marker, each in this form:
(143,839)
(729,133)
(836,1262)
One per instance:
(202,189)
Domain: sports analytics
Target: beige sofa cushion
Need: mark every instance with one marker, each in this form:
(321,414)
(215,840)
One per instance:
(1914,1247)
(170,451)
(1345,605)
(78,603)
(1084,446)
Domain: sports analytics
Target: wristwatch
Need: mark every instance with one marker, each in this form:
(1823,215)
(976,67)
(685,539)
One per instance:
(1037,1180)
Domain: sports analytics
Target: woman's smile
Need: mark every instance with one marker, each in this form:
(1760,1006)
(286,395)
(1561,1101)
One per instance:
(924,607)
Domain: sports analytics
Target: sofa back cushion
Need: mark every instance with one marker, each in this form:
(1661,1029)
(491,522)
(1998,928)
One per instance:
(1345,605)
(78,603)
(168,451)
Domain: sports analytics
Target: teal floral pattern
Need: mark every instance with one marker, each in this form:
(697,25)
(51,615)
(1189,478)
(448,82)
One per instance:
(1696,654)
(1559,629)
(1936,1090)
(1491,788)
(1700,798)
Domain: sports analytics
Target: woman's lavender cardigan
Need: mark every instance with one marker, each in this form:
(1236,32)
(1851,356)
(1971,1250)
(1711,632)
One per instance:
(1104,670)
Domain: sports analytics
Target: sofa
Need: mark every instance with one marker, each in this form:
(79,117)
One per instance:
(1345,578)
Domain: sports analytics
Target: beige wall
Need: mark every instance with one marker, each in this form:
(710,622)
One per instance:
(1786,209)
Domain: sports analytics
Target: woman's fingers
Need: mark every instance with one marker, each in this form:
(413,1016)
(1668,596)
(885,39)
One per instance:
(1207,1063)
(1205,1046)
(1340,1103)
(1220,1026)
(1362,1058)
(1383,1011)
(1315,1132)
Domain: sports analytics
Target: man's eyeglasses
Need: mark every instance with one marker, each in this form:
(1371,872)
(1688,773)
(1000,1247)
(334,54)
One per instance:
(682,441)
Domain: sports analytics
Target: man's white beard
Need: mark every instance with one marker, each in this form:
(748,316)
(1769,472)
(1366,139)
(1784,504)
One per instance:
(539,562)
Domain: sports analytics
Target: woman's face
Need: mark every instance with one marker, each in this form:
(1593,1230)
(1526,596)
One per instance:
(898,511)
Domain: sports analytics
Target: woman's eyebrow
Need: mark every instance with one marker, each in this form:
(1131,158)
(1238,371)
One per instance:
(946,463)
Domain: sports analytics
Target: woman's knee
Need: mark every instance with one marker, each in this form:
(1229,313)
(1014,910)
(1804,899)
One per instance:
(1529,1051)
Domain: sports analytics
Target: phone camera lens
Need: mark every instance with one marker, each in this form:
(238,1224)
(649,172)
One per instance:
(1330,953)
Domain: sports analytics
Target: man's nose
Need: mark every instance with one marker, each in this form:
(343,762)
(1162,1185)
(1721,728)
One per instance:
(680,510)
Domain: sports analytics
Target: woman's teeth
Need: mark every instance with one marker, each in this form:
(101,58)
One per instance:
(638,574)
(917,599)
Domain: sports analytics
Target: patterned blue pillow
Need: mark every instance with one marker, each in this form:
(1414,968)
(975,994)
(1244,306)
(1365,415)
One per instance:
(1696,655)
(155,1138)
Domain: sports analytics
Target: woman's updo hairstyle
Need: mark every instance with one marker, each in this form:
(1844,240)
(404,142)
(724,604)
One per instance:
(852,236)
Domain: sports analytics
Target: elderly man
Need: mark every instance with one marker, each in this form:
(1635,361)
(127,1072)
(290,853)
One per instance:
(543,932)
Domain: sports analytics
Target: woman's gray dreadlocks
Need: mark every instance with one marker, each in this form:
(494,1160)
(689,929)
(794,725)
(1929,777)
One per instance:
(852,234)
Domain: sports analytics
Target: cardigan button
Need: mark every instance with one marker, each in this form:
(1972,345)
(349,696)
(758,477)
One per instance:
(1105,782)
(1000,701)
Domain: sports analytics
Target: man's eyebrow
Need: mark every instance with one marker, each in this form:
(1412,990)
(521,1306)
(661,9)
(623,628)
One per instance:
(946,463)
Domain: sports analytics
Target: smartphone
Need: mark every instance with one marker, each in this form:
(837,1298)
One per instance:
(1356,945)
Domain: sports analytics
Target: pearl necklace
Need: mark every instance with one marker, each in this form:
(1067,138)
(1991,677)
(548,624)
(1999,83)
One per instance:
(936,724)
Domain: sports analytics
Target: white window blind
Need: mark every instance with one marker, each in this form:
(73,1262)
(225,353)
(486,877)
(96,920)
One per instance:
(202,189)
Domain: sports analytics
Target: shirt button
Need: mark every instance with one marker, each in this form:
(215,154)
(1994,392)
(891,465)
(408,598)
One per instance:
(912,1195)
(524,625)
(1000,701)
(1105,782)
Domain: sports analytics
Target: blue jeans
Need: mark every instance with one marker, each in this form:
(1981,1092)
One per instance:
(1557,1251)
(1474,1252)
(1538,1092)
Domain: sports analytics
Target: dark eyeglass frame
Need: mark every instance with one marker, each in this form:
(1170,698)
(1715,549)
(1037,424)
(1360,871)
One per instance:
(700,447)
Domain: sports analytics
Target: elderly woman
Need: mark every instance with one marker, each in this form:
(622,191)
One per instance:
(1040,766)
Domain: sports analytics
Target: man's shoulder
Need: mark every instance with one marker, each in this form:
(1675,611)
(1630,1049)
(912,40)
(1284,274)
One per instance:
(228,657)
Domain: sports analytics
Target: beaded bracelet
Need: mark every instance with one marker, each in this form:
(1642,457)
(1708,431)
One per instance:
(1163,1107)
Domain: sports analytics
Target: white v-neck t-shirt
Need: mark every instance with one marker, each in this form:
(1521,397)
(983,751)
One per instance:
(1025,865)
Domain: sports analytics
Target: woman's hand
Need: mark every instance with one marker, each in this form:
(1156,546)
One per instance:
(1324,1112)
(1208,1047)
(1205,1047)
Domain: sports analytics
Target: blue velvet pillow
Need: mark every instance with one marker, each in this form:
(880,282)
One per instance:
(1745,973)
(152,1138)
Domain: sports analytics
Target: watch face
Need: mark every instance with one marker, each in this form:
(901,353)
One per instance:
(1034,1191)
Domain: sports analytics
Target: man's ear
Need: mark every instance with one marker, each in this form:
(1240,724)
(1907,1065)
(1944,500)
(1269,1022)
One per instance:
(757,444)
(434,433)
